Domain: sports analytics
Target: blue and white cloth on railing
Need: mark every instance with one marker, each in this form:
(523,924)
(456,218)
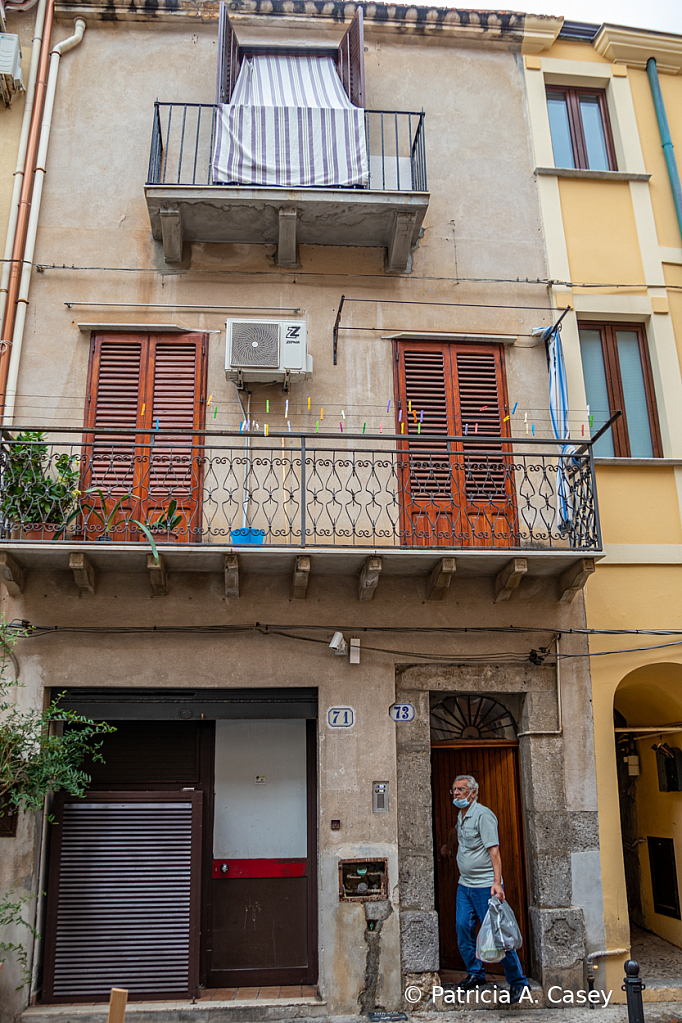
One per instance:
(558,412)
(290,125)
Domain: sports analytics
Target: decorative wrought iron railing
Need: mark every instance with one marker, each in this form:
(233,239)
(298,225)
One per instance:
(295,491)
(183,137)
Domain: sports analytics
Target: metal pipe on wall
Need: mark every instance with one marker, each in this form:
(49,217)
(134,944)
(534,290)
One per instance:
(25,200)
(38,31)
(32,229)
(666,141)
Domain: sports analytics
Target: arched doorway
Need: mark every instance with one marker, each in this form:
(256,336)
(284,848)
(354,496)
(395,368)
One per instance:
(474,734)
(648,738)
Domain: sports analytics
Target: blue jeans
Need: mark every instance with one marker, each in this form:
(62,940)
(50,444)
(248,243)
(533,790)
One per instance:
(472,905)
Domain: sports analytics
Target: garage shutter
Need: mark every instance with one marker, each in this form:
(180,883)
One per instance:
(123,897)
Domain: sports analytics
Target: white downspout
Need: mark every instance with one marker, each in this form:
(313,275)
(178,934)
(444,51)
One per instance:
(32,230)
(21,156)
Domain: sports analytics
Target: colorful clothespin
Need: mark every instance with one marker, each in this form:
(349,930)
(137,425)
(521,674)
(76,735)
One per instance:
(466,429)
(321,414)
(381,427)
(414,413)
(419,427)
(265,429)
(286,409)
(343,414)
(308,404)
(476,428)
(363,427)
(506,418)
(515,407)
(289,424)
(267,405)
(421,416)
(341,425)
(409,406)
(400,415)
(388,407)
(317,426)
(533,429)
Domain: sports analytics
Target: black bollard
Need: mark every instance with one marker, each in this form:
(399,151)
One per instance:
(633,988)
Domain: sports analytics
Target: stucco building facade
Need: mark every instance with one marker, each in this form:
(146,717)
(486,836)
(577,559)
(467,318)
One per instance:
(613,247)
(308,817)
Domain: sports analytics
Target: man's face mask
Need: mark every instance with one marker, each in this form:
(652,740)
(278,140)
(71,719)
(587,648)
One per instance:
(460,803)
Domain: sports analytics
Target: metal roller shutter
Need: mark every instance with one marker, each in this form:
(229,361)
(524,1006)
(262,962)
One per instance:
(124,897)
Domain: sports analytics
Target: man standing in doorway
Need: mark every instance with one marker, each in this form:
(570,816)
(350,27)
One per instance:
(480,877)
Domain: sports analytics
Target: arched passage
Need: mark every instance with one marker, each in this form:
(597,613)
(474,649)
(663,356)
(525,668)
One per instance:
(649,759)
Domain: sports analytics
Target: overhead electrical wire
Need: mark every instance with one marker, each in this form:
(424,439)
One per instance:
(546,282)
(24,630)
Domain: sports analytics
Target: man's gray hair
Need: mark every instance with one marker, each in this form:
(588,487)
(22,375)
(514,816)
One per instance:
(471,781)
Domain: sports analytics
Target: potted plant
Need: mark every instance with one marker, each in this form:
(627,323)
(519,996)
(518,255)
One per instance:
(101,512)
(38,490)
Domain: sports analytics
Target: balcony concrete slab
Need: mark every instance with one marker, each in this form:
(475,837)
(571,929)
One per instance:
(325,561)
(243,215)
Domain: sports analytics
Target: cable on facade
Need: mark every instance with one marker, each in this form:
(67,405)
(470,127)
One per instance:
(545,282)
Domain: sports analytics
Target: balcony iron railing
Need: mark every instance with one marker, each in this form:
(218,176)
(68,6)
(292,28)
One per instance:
(183,137)
(298,491)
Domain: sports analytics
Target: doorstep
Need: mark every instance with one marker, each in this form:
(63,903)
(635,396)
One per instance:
(228,1010)
(667,990)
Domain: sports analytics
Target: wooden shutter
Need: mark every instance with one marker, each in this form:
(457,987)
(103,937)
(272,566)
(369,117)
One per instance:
(479,386)
(228,57)
(454,493)
(351,60)
(176,403)
(146,382)
(115,386)
(123,899)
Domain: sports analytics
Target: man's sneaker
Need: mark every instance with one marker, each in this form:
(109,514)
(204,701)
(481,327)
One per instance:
(470,982)
(516,992)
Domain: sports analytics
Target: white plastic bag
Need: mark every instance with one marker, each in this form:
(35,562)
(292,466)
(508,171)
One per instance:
(499,932)
(486,948)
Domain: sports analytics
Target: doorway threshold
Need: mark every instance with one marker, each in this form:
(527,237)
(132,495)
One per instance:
(230,1005)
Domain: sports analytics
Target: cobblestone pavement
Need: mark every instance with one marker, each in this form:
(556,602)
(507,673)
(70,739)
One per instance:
(657,958)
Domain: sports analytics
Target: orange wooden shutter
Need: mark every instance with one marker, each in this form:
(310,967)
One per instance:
(479,382)
(176,401)
(113,402)
(454,494)
(351,60)
(145,382)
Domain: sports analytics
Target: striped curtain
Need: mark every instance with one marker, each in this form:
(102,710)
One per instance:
(290,124)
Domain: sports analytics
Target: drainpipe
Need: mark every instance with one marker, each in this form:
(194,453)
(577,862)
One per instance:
(10,297)
(32,230)
(666,141)
(21,155)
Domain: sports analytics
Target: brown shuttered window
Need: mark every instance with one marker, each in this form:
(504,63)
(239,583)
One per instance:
(351,60)
(147,383)
(453,492)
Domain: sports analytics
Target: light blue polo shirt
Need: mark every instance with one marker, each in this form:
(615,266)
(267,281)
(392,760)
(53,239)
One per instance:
(476,833)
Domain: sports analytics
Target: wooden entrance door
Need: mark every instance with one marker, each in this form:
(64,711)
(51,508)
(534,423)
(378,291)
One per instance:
(495,766)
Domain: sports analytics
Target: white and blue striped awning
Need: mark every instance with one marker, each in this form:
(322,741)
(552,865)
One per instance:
(291,125)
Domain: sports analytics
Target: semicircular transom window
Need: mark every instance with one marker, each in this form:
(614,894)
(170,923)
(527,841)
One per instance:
(471,717)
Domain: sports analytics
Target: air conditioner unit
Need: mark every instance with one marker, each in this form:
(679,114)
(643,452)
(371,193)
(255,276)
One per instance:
(267,351)
(11,81)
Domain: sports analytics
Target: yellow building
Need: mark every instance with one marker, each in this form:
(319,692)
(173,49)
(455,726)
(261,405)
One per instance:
(614,252)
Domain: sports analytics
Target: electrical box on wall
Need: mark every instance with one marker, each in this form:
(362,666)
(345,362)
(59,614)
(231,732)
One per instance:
(380,797)
(363,880)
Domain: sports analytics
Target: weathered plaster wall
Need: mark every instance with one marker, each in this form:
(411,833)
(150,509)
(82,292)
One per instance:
(483,222)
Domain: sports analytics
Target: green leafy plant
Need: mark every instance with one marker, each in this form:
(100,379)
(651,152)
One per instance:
(37,488)
(166,523)
(102,513)
(41,751)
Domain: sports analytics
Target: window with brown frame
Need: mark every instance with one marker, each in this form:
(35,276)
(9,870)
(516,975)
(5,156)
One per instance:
(580,128)
(144,383)
(617,372)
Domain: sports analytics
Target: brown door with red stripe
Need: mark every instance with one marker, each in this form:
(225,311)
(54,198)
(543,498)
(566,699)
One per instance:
(148,383)
(454,494)
(263,917)
(495,766)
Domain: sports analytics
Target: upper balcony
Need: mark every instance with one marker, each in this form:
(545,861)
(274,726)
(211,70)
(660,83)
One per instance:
(186,204)
(214,502)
